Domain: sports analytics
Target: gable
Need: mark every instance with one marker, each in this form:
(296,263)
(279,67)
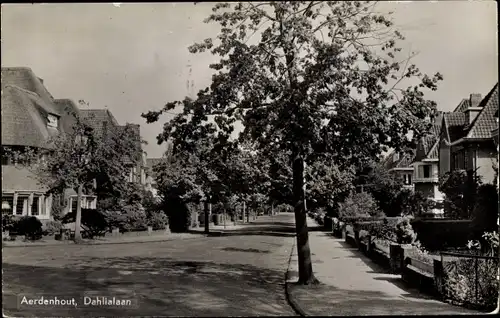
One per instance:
(485,122)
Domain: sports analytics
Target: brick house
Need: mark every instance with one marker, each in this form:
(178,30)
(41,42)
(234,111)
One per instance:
(466,138)
(104,123)
(31,116)
(426,167)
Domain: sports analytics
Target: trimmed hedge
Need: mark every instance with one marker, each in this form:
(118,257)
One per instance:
(440,234)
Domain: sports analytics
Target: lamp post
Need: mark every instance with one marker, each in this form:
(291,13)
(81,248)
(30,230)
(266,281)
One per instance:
(224,209)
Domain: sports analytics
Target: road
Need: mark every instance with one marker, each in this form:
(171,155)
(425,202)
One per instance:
(239,275)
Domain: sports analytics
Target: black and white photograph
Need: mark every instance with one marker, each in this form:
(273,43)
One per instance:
(250,159)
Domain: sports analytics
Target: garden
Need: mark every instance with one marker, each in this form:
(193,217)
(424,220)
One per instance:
(455,257)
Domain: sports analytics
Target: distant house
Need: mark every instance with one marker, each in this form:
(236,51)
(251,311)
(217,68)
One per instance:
(104,123)
(426,167)
(467,138)
(399,164)
(30,117)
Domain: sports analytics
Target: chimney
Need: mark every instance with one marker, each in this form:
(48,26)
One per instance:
(473,110)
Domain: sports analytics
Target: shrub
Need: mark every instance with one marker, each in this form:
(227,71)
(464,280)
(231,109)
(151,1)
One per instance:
(179,215)
(31,227)
(9,222)
(412,203)
(158,221)
(442,234)
(485,213)
(404,232)
(52,227)
(135,218)
(94,222)
(358,205)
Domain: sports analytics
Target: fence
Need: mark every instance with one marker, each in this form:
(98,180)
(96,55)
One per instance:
(469,279)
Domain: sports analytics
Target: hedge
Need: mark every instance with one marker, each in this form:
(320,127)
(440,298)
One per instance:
(439,234)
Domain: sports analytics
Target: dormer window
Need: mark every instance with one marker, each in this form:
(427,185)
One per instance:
(52,121)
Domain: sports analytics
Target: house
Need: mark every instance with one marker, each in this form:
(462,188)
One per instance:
(399,164)
(426,167)
(104,124)
(30,117)
(466,138)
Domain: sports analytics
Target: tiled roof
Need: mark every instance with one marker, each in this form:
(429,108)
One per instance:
(427,145)
(404,161)
(464,104)
(485,122)
(454,123)
(17,178)
(97,117)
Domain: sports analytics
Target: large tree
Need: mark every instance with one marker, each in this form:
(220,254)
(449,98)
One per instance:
(316,79)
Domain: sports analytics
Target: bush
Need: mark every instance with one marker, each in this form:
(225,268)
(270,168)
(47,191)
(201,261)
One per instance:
(94,222)
(135,218)
(441,234)
(179,215)
(158,221)
(485,213)
(404,232)
(9,222)
(31,227)
(52,227)
(359,205)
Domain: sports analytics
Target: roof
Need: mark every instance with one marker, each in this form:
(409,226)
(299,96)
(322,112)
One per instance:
(404,161)
(462,106)
(69,113)
(485,122)
(427,145)
(97,117)
(17,178)
(24,78)
(22,122)
(26,104)
(454,123)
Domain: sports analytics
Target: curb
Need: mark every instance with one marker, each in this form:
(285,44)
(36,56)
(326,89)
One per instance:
(291,301)
(103,243)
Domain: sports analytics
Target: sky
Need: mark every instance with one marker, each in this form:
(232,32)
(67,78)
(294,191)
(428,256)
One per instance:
(132,58)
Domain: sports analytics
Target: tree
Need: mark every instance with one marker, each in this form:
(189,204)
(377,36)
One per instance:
(84,161)
(321,81)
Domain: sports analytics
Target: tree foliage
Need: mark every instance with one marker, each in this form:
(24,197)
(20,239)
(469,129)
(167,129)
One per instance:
(313,81)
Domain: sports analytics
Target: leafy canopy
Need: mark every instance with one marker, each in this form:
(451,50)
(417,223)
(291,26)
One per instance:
(322,79)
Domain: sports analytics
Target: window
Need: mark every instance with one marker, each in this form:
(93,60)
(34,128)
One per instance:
(427,171)
(22,206)
(35,207)
(52,121)
(409,178)
(74,202)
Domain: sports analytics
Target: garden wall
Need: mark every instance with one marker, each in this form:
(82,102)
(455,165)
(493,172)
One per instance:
(439,234)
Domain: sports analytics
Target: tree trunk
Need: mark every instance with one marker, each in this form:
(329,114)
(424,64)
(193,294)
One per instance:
(245,212)
(78,217)
(306,275)
(207,216)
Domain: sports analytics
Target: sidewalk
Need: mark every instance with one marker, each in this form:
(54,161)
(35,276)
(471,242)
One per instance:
(351,284)
(107,240)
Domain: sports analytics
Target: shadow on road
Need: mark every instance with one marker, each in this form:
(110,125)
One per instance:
(161,286)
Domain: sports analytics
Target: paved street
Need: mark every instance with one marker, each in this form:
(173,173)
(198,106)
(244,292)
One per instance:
(207,276)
